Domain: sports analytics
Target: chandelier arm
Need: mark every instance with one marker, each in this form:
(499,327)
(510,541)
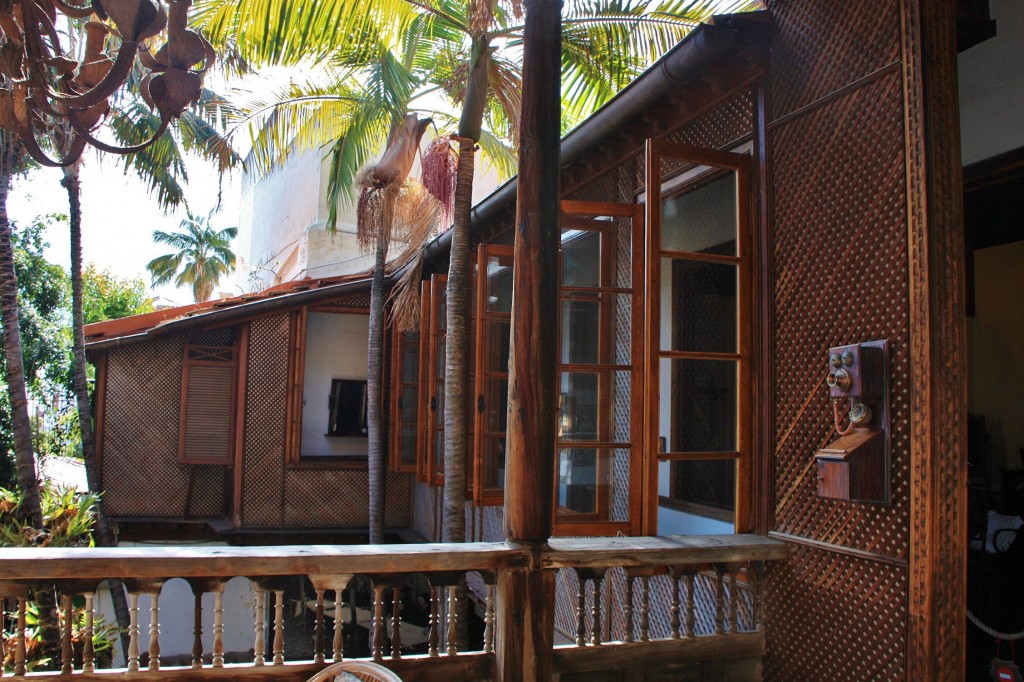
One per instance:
(74,11)
(114,79)
(28,139)
(84,133)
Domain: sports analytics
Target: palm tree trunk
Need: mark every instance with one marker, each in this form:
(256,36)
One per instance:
(456,374)
(23,451)
(374,382)
(102,532)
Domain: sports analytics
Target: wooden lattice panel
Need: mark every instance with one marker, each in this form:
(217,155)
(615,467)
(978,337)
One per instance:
(339,499)
(140,438)
(266,396)
(820,47)
(835,617)
(424,505)
(841,277)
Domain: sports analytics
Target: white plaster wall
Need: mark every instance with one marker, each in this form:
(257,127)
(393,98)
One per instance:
(996,351)
(335,349)
(283,219)
(991,82)
(177,617)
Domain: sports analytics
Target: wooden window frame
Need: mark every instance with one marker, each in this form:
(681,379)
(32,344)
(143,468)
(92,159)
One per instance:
(485,496)
(596,523)
(399,342)
(433,468)
(423,414)
(188,363)
(741,164)
(296,384)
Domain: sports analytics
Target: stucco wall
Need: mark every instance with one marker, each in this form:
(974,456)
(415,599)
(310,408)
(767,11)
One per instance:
(992,87)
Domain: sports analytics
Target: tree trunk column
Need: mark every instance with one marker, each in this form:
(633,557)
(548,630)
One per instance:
(525,617)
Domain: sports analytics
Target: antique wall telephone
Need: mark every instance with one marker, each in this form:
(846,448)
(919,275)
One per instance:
(855,466)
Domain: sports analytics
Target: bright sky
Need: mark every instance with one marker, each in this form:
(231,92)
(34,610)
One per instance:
(118,216)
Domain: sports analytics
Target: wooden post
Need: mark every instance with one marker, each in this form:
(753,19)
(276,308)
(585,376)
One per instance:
(525,613)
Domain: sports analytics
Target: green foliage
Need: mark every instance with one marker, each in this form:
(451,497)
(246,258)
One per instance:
(105,296)
(203,256)
(68,519)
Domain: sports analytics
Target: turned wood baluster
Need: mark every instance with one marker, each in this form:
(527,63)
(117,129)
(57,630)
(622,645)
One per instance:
(627,634)
(259,648)
(88,652)
(378,623)
(452,635)
(674,608)
(278,627)
(218,628)
(489,621)
(338,643)
(758,615)
(154,630)
(719,600)
(733,596)
(690,610)
(133,631)
(435,620)
(581,610)
(396,623)
(67,656)
(197,629)
(645,608)
(595,626)
(19,642)
(318,629)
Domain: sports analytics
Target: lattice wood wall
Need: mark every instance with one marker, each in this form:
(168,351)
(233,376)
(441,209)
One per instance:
(843,246)
(141,474)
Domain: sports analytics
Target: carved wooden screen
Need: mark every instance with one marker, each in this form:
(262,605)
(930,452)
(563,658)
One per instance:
(699,337)
(207,418)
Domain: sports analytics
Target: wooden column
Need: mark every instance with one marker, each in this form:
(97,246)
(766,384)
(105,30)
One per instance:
(525,613)
(938,331)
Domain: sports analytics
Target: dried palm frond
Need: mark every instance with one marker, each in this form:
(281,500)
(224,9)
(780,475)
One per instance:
(417,215)
(440,164)
(405,296)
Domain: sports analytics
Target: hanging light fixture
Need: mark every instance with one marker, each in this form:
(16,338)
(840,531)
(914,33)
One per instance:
(44,87)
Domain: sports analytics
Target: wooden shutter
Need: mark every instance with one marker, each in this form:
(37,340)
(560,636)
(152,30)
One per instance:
(207,424)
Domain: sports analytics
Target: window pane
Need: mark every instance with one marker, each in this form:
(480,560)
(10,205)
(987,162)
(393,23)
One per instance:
(581,331)
(494,462)
(410,356)
(498,346)
(593,481)
(496,405)
(407,436)
(407,403)
(577,406)
(698,306)
(499,284)
(703,220)
(581,258)
(696,497)
(698,405)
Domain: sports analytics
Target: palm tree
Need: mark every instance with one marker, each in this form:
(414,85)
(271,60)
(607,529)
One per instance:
(162,166)
(11,158)
(203,256)
(404,55)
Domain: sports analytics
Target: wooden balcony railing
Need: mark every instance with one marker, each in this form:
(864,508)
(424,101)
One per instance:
(623,602)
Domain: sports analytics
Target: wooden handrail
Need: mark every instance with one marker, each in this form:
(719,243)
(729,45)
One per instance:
(695,573)
(21,564)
